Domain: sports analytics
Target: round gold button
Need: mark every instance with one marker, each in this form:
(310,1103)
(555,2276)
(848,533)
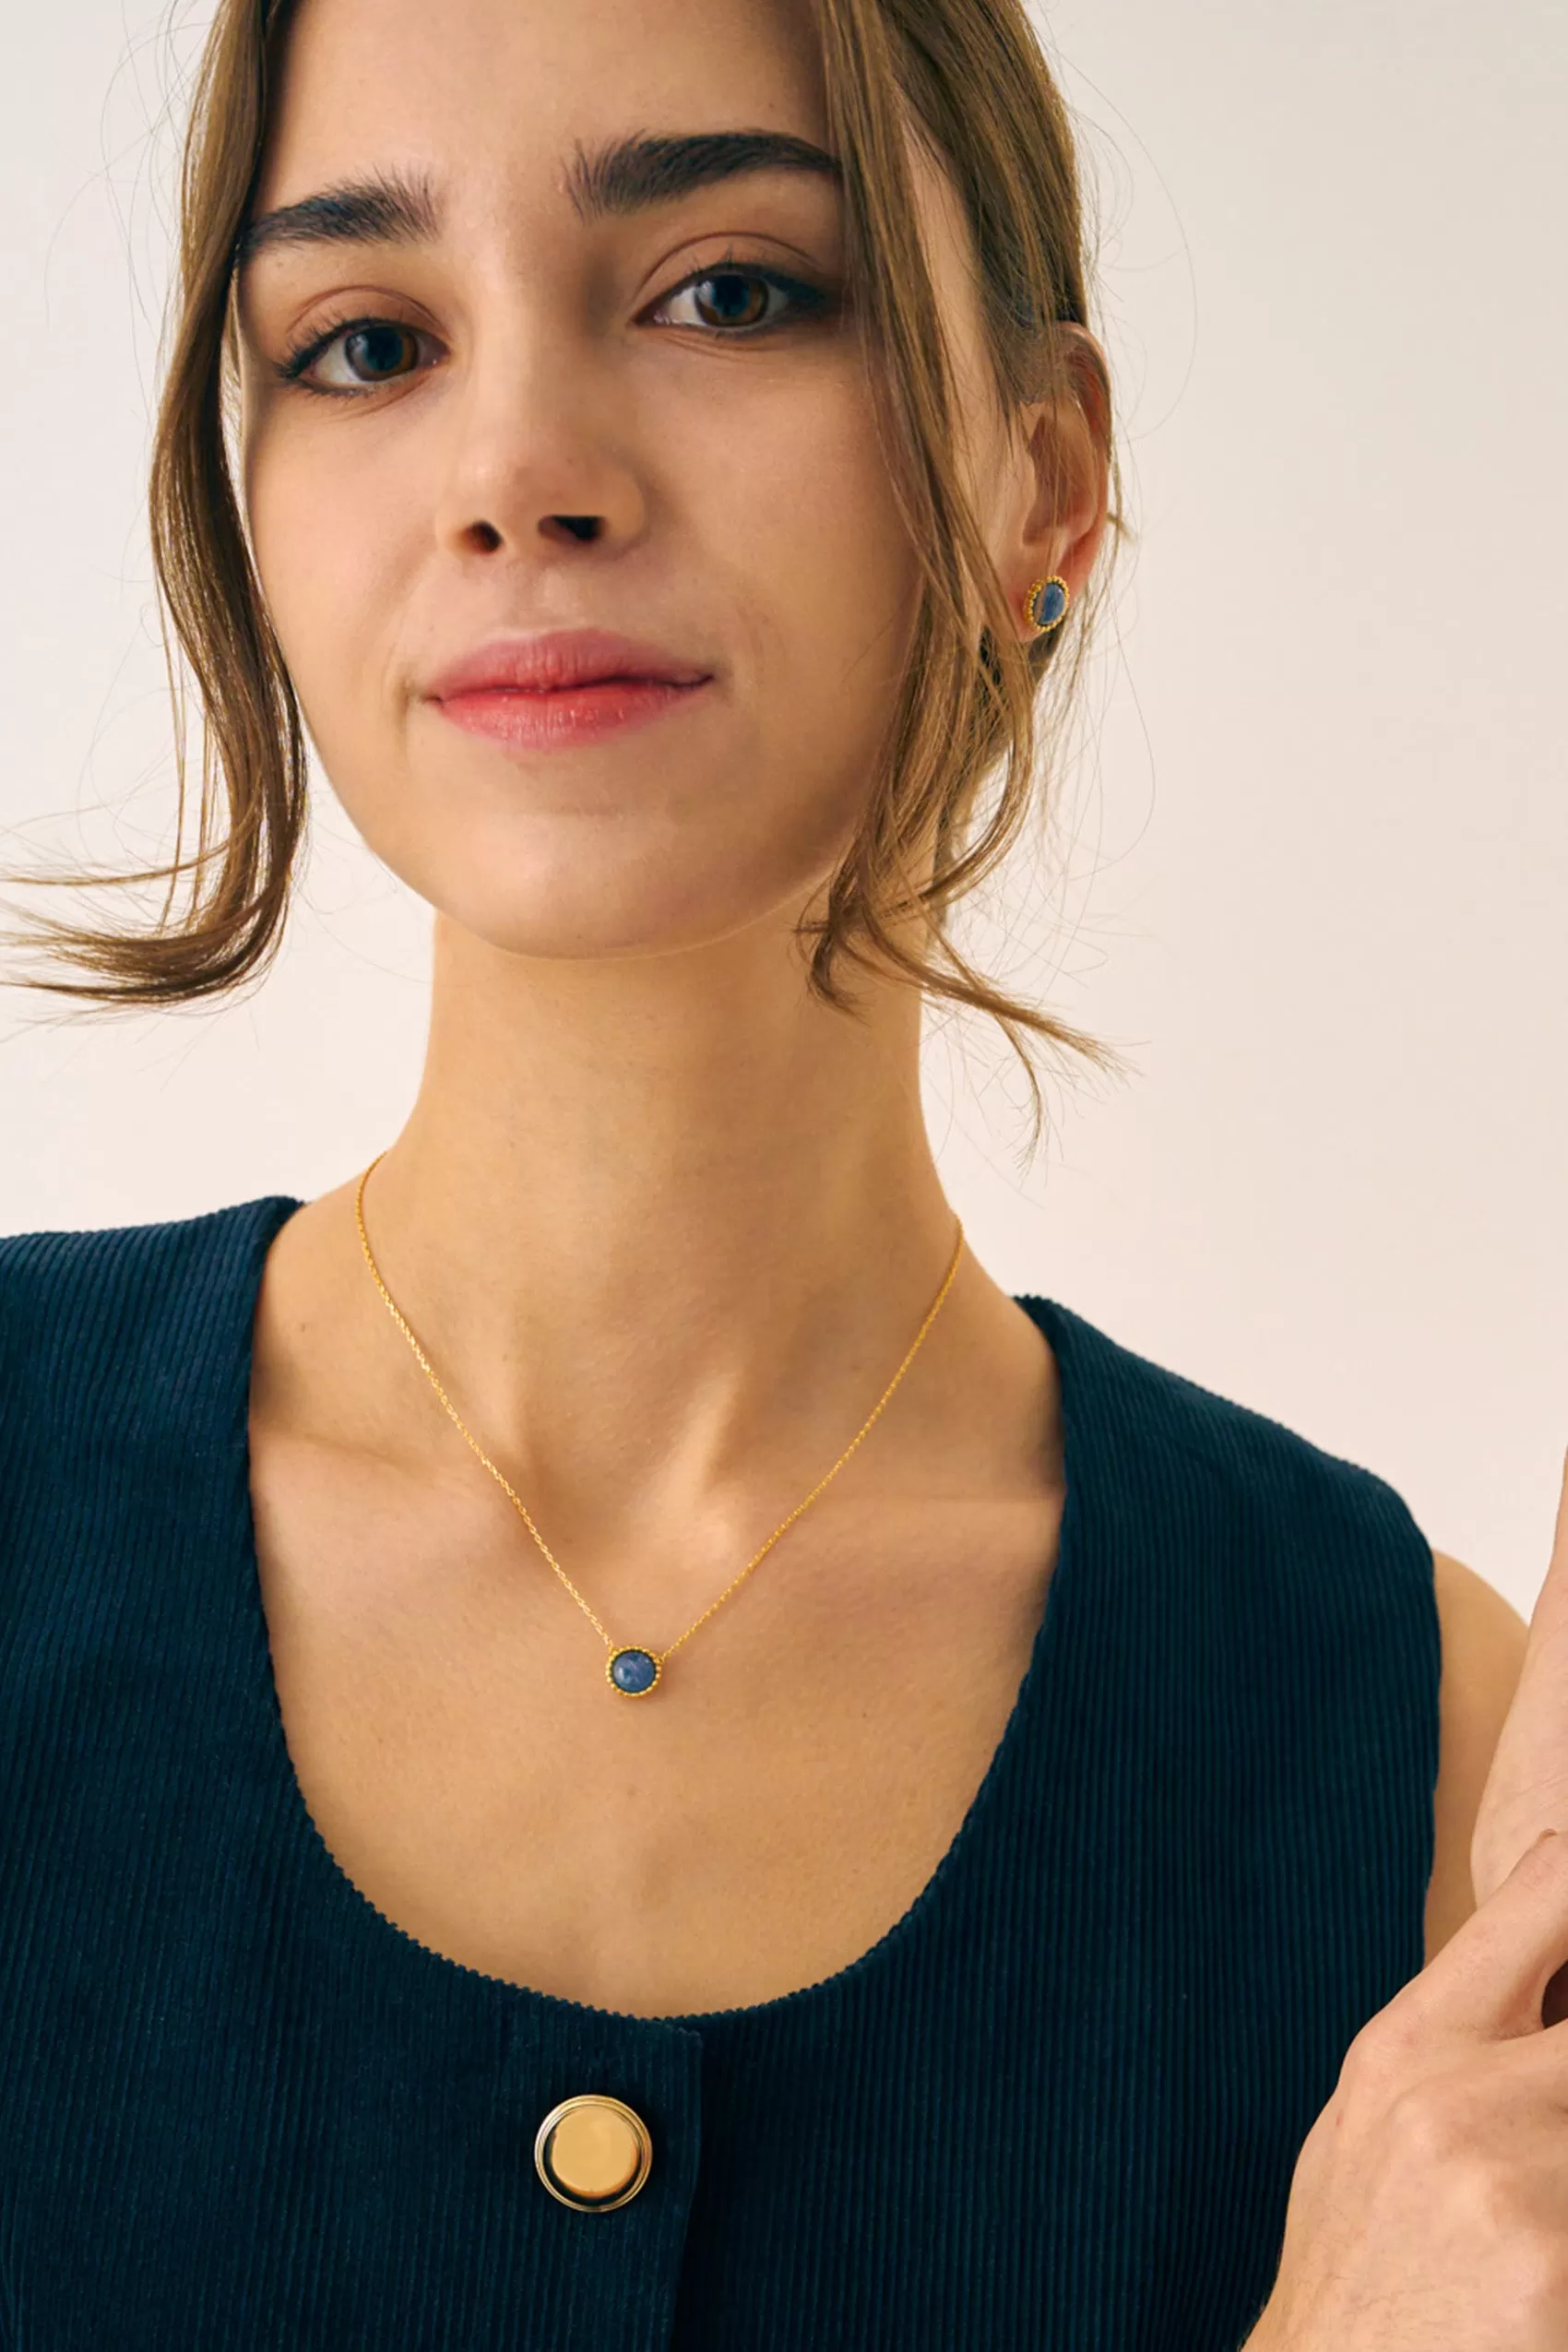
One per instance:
(593,2152)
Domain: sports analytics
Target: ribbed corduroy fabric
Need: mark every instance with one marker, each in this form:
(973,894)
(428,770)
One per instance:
(1055,2108)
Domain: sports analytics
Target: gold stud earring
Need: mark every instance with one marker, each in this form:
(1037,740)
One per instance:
(1046,604)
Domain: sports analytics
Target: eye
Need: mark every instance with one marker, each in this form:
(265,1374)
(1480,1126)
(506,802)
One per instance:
(738,295)
(373,344)
(732,301)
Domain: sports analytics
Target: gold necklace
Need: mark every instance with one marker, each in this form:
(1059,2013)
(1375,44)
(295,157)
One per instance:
(633,1670)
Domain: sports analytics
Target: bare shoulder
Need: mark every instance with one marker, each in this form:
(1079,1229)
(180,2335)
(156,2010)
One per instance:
(1483,1655)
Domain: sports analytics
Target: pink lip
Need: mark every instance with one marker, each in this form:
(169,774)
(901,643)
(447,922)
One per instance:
(533,721)
(562,658)
(571,687)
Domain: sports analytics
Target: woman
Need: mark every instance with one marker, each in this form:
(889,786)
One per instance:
(483,1894)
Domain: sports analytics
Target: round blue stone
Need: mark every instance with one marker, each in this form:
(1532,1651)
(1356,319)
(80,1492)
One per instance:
(633,1671)
(1049,604)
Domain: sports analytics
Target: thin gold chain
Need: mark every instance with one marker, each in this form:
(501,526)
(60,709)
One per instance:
(399,1318)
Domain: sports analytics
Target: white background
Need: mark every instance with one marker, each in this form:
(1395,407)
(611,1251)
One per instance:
(1310,868)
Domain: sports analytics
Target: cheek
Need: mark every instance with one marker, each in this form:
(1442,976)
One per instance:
(827,556)
(335,549)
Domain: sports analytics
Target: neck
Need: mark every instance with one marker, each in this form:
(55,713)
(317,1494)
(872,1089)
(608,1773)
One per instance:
(665,1225)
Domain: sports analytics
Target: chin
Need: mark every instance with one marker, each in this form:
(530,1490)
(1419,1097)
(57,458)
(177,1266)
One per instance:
(586,919)
(596,888)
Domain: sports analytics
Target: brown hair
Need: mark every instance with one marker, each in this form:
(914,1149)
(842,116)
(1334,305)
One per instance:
(971,78)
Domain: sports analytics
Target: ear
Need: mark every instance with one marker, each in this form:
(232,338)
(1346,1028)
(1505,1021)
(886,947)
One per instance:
(1063,480)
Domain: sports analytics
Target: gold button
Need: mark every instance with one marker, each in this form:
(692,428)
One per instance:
(593,2152)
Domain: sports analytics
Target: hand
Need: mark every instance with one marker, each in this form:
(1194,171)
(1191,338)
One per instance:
(1429,2207)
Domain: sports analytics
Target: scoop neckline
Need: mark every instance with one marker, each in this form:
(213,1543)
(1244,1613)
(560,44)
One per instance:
(363,1917)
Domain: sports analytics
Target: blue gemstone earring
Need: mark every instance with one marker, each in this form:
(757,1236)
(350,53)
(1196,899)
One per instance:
(1045,604)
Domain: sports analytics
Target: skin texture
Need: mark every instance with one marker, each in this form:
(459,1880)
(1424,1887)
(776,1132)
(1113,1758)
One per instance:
(665,1225)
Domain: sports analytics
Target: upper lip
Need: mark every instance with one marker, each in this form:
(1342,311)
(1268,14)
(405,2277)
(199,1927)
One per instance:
(562,658)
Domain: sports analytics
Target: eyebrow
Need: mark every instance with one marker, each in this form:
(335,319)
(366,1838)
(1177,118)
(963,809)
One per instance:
(628,176)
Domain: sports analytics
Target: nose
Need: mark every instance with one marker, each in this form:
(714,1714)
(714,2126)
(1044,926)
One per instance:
(537,452)
(487,536)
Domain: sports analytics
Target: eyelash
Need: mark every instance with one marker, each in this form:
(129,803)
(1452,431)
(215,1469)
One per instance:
(814,301)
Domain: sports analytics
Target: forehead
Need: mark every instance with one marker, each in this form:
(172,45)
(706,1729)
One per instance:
(499,92)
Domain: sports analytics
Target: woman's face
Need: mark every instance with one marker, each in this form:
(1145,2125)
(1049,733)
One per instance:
(564,417)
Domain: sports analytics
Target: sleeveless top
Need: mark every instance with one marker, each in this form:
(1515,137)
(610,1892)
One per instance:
(1055,2108)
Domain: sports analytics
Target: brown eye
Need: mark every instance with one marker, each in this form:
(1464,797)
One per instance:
(729,302)
(372,349)
(735,299)
(739,300)
(377,348)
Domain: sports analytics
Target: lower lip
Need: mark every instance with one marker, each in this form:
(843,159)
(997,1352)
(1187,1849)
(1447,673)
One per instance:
(566,716)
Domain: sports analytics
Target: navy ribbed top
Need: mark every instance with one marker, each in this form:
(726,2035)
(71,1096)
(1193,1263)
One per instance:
(1055,2108)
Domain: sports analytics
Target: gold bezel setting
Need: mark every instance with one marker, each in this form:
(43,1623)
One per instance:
(1044,628)
(633,1649)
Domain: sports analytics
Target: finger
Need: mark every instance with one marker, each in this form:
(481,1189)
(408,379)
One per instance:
(1527,1788)
(1488,1980)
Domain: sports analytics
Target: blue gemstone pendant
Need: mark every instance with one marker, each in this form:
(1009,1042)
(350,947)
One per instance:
(631,1672)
